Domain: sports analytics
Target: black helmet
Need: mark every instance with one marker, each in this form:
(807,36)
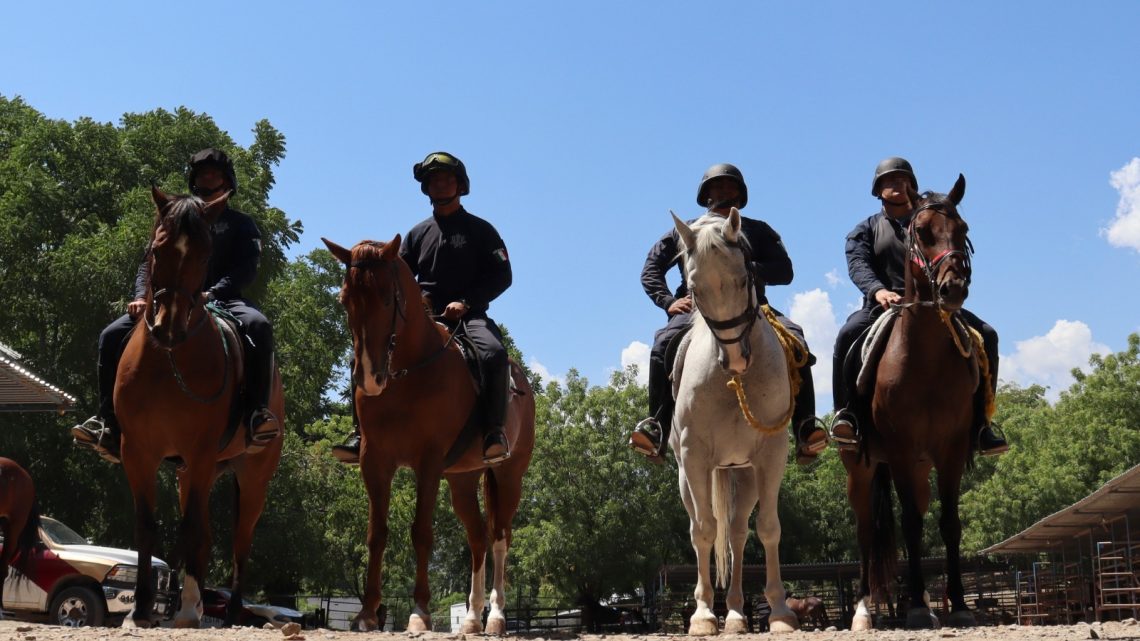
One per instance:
(441,160)
(892,165)
(719,171)
(212,157)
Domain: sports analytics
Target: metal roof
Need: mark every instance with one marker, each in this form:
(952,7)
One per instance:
(23,391)
(1113,501)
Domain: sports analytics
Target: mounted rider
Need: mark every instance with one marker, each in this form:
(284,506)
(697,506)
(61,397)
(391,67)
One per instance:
(462,265)
(236,250)
(722,187)
(876,262)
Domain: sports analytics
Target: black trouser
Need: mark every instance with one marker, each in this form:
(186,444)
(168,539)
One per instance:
(859,321)
(493,362)
(661,392)
(259,356)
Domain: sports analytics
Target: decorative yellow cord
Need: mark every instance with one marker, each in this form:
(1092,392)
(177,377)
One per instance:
(963,350)
(984,370)
(795,355)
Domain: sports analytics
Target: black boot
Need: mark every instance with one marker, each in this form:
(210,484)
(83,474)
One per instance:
(349,451)
(650,435)
(100,433)
(496,449)
(811,438)
(264,427)
(991,442)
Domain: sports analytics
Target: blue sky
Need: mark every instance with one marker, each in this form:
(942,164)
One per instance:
(583,123)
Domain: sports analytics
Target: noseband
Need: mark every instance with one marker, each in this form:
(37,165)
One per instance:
(930,267)
(747,317)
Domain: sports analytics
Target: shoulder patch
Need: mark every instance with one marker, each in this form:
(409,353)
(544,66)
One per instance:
(501,254)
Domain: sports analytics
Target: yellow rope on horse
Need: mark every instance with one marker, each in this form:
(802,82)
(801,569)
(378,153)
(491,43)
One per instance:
(984,370)
(795,355)
(946,316)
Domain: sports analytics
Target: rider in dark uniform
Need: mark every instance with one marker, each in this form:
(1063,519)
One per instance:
(722,187)
(236,249)
(462,265)
(876,258)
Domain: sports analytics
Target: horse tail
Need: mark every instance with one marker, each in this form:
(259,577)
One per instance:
(31,532)
(884,555)
(491,500)
(723,495)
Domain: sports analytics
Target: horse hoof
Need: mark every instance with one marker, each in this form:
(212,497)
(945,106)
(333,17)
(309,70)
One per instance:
(861,623)
(417,623)
(961,619)
(783,625)
(702,627)
(128,622)
(920,618)
(361,623)
(473,626)
(735,624)
(496,626)
(187,622)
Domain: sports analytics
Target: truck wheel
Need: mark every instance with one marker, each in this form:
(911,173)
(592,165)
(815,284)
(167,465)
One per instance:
(77,606)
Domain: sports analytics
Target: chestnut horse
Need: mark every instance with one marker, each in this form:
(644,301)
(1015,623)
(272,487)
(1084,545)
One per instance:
(922,415)
(413,397)
(177,382)
(19,516)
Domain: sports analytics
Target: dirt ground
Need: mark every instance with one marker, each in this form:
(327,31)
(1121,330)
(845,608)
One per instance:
(20,631)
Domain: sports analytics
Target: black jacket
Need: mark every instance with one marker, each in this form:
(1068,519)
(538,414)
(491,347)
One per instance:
(234,256)
(876,256)
(458,258)
(770,263)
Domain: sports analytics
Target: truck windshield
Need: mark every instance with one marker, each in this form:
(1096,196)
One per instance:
(60,534)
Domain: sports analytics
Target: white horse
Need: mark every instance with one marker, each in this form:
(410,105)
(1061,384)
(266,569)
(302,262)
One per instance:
(726,465)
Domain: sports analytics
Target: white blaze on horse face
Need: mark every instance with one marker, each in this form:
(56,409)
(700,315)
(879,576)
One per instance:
(367,379)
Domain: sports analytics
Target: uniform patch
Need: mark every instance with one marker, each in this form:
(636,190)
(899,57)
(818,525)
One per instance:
(501,254)
(457,241)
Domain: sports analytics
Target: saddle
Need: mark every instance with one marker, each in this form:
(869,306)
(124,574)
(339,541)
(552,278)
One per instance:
(233,341)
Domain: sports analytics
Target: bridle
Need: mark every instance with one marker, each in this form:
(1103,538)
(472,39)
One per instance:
(398,313)
(747,318)
(930,268)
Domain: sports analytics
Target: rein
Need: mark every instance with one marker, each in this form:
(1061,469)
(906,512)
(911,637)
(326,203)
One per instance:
(929,269)
(206,314)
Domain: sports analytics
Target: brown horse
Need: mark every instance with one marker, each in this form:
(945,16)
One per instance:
(414,395)
(177,383)
(922,414)
(19,517)
(809,608)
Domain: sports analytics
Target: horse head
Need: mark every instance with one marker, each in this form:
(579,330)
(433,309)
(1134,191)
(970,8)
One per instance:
(178,259)
(722,284)
(374,299)
(938,248)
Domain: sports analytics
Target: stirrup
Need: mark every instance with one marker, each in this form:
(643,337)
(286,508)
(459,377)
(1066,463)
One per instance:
(495,448)
(95,434)
(349,451)
(998,445)
(263,429)
(646,438)
(847,434)
(807,450)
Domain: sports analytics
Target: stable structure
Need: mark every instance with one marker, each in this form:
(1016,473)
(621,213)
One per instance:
(23,391)
(1081,563)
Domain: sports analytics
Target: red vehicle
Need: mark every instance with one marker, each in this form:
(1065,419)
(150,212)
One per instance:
(215,601)
(70,582)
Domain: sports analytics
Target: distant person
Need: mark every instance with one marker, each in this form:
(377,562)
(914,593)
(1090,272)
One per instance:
(876,261)
(721,189)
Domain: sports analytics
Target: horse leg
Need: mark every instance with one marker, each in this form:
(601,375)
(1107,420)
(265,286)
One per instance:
(859,497)
(913,488)
(949,488)
(735,622)
(503,493)
(6,554)
(427,491)
(194,540)
(378,482)
(769,475)
(697,497)
(251,484)
(142,476)
(465,501)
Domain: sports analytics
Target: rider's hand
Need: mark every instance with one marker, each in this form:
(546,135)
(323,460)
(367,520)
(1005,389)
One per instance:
(886,298)
(136,307)
(454,311)
(681,306)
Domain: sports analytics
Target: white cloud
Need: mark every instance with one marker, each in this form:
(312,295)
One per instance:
(1124,231)
(812,310)
(1047,360)
(832,278)
(541,370)
(637,353)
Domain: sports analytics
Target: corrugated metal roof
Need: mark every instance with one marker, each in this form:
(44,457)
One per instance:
(1117,498)
(23,391)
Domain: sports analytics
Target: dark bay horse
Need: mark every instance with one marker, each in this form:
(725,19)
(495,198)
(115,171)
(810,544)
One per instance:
(922,415)
(177,383)
(19,516)
(413,396)
(809,609)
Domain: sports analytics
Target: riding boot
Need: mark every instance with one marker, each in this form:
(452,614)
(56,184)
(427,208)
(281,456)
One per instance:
(811,439)
(496,449)
(349,451)
(263,425)
(987,440)
(651,434)
(101,432)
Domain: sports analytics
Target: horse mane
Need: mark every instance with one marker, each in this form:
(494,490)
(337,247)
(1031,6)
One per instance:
(707,230)
(366,251)
(183,215)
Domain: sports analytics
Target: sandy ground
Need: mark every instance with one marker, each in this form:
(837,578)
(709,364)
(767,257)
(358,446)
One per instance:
(20,631)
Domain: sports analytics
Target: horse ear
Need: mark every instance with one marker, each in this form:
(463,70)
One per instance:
(732,225)
(215,207)
(958,190)
(161,198)
(340,253)
(391,249)
(688,238)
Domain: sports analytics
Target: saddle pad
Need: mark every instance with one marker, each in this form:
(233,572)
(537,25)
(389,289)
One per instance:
(873,347)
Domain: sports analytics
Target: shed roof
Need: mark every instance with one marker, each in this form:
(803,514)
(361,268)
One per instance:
(23,391)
